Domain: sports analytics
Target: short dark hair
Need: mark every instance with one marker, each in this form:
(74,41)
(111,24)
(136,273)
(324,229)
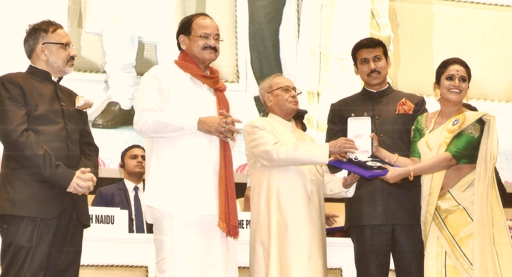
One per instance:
(36,32)
(123,154)
(443,66)
(368,43)
(185,26)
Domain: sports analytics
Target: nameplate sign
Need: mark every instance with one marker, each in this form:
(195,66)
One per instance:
(244,222)
(108,220)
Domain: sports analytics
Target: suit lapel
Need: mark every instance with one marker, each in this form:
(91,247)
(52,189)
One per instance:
(125,195)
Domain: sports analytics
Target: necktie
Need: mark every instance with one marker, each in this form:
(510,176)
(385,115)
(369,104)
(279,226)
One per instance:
(139,221)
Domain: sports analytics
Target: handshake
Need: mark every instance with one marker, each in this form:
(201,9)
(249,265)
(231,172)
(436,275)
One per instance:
(340,148)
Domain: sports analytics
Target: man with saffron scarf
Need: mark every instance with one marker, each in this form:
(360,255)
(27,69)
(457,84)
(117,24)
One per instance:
(183,114)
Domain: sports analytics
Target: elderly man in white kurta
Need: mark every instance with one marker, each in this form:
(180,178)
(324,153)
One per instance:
(289,180)
(183,114)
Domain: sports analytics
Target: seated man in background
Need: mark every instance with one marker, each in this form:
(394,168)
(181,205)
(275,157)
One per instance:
(129,193)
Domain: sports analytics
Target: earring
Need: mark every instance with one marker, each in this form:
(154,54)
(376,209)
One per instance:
(437,94)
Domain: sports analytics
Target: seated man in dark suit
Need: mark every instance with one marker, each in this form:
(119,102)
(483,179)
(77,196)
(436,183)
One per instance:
(129,193)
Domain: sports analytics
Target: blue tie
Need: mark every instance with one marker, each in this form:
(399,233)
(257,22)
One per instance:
(139,221)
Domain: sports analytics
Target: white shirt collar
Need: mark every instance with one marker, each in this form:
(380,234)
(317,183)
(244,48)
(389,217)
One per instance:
(379,90)
(130,185)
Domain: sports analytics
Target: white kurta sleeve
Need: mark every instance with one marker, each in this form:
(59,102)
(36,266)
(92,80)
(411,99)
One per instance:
(334,185)
(162,108)
(272,148)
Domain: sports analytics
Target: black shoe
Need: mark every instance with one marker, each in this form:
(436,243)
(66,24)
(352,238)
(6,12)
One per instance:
(113,116)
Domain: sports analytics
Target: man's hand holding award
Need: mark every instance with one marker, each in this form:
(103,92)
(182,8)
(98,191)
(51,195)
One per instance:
(361,161)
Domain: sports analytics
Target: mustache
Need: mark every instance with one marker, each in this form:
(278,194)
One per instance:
(209,47)
(71,59)
(373,71)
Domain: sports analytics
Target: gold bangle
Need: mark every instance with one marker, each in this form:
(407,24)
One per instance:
(411,176)
(396,158)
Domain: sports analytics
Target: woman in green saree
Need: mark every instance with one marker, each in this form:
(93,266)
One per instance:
(455,150)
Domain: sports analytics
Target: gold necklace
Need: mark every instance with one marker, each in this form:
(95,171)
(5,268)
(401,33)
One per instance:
(461,111)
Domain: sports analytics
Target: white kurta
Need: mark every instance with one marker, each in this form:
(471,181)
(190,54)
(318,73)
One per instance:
(288,179)
(169,105)
(182,167)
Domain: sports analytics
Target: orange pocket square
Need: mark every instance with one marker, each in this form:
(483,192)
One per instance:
(404,107)
(83,103)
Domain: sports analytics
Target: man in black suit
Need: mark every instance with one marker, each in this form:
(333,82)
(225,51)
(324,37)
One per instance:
(49,163)
(122,194)
(382,218)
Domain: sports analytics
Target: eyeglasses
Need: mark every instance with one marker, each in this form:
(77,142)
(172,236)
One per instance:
(288,90)
(208,37)
(66,45)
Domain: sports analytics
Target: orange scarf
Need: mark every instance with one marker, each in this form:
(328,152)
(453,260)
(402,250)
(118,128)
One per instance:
(228,217)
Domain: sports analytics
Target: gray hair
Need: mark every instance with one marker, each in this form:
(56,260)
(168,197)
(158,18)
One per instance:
(266,85)
(36,32)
